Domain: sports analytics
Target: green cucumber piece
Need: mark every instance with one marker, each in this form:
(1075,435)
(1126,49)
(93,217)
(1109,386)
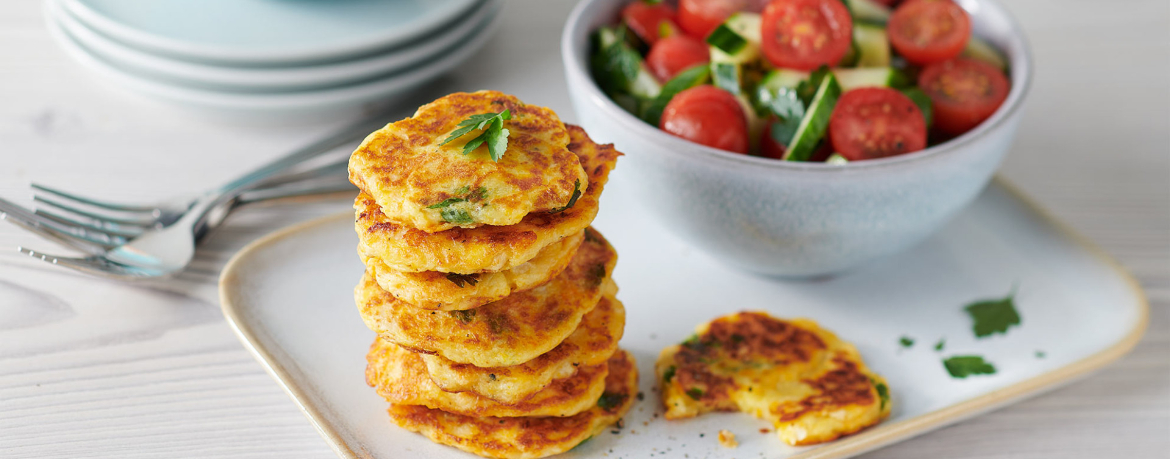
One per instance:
(922,101)
(872,44)
(737,40)
(868,11)
(727,77)
(816,120)
(836,158)
(783,78)
(726,40)
(982,50)
(617,68)
(686,79)
(886,77)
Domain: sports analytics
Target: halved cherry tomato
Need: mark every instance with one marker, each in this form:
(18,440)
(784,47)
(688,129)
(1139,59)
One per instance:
(699,17)
(646,19)
(675,54)
(928,31)
(805,34)
(963,92)
(709,116)
(876,122)
(769,148)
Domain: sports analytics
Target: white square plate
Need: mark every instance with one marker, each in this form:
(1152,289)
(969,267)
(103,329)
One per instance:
(289,296)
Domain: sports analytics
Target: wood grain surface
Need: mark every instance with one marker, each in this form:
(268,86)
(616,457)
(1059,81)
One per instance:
(92,368)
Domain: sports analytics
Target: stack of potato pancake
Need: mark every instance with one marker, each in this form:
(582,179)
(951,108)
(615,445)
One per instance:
(496,315)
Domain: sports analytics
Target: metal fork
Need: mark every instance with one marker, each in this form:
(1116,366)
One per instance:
(150,246)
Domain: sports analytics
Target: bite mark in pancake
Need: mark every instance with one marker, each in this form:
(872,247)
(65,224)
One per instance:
(420,182)
(810,384)
(526,437)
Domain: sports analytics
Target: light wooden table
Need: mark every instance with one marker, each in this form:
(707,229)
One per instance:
(94,368)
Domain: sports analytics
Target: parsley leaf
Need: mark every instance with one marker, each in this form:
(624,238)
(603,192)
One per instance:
(906,341)
(695,393)
(993,316)
(572,199)
(961,366)
(942,342)
(789,110)
(609,400)
(460,195)
(456,216)
(669,373)
(463,279)
(883,392)
(494,134)
(464,316)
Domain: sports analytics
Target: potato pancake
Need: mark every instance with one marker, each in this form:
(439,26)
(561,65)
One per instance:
(592,343)
(527,437)
(486,248)
(810,384)
(401,378)
(456,292)
(422,182)
(508,332)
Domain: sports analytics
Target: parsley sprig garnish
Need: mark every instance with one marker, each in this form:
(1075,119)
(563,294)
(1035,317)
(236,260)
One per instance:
(494,134)
(962,366)
(572,199)
(993,316)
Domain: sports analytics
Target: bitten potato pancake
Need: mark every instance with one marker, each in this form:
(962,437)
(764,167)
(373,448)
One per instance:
(508,332)
(486,248)
(420,182)
(811,385)
(527,437)
(457,292)
(592,343)
(401,378)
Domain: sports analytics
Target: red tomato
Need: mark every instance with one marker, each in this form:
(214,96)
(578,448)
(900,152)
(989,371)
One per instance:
(805,34)
(876,122)
(646,19)
(963,92)
(927,31)
(675,54)
(709,116)
(699,17)
(769,148)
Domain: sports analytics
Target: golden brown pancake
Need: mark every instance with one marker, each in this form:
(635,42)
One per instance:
(508,332)
(810,384)
(527,437)
(456,292)
(594,341)
(401,378)
(486,248)
(422,183)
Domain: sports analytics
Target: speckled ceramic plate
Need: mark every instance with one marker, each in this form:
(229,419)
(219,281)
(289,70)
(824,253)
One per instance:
(289,298)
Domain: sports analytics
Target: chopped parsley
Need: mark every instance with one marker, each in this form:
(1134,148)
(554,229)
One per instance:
(1040,354)
(572,199)
(461,195)
(609,400)
(494,134)
(993,316)
(695,393)
(906,341)
(962,366)
(464,316)
(463,279)
(942,342)
(882,391)
(456,216)
(669,373)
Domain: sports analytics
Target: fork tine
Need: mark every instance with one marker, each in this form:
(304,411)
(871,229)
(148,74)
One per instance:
(54,231)
(110,229)
(92,202)
(144,222)
(90,265)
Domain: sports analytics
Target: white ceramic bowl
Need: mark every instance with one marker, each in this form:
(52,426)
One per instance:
(799,219)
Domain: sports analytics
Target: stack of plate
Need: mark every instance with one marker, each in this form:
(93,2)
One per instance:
(272,59)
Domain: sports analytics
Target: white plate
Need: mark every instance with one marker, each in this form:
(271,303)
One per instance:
(266,32)
(235,78)
(289,297)
(288,106)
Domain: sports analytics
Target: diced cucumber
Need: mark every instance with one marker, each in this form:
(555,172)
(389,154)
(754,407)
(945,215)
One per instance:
(868,11)
(755,122)
(852,56)
(727,76)
(886,77)
(872,45)
(815,122)
(982,50)
(737,40)
(689,78)
(783,78)
(922,101)
(617,68)
(836,158)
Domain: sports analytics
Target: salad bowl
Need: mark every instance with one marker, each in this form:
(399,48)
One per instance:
(799,219)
